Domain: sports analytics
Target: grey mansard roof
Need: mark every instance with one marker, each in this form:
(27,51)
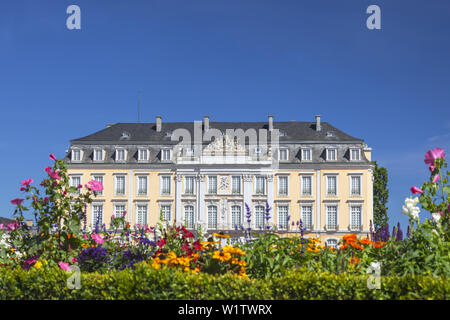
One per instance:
(291,131)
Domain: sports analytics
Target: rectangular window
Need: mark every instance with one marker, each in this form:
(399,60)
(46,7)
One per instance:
(283,185)
(331,154)
(141,185)
(331,217)
(236,217)
(166,212)
(259,217)
(119,185)
(119,210)
(355,217)
(189,216)
(141,214)
(212,217)
(143,155)
(120,155)
(76,155)
(331,243)
(331,185)
(165,185)
(97,215)
(260,185)
(283,154)
(75,181)
(283,214)
(306,212)
(98,155)
(99,178)
(212,184)
(165,154)
(306,185)
(306,154)
(189,184)
(236,185)
(355,154)
(355,185)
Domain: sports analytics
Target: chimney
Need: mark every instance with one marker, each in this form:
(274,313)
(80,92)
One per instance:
(270,122)
(318,127)
(158,123)
(206,123)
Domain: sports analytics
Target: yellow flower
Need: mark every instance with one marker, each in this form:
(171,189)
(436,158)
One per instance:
(221,255)
(38,264)
(12,249)
(218,235)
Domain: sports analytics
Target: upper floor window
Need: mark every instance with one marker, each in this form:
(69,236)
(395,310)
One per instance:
(212,184)
(236,185)
(99,178)
(119,185)
(97,215)
(355,154)
(283,182)
(331,185)
(120,155)
(306,216)
(306,154)
(260,185)
(306,186)
(284,154)
(75,181)
(355,217)
(141,185)
(166,212)
(332,217)
(98,155)
(76,155)
(355,185)
(166,154)
(189,184)
(331,154)
(165,185)
(142,155)
(141,214)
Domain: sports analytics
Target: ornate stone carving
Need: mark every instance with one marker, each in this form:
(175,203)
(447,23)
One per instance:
(226,145)
(201,177)
(223,183)
(247,177)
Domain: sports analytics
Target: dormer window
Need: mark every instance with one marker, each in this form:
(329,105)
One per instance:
(284,154)
(355,154)
(98,155)
(306,154)
(76,155)
(331,154)
(142,155)
(165,154)
(120,155)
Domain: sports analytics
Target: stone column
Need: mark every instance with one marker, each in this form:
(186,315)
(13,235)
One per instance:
(201,198)
(270,193)
(178,210)
(318,200)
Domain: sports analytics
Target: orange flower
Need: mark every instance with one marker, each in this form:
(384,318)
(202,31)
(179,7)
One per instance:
(349,237)
(343,247)
(68,236)
(355,260)
(357,246)
(366,241)
(379,244)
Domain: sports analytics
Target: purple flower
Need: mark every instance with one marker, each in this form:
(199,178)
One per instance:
(399,236)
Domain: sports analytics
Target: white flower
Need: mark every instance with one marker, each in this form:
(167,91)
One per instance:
(375,265)
(436,217)
(410,208)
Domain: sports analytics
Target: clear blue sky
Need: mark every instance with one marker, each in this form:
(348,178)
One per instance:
(232,60)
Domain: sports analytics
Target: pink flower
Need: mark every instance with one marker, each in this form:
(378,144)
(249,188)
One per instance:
(97,238)
(124,213)
(52,156)
(435,178)
(432,155)
(1,226)
(416,190)
(34,199)
(94,185)
(23,188)
(85,237)
(17,201)
(46,199)
(64,265)
(26,182)
(54,175)
(48,170)
(74,260)
(79,186)
(432,168)
(12,226)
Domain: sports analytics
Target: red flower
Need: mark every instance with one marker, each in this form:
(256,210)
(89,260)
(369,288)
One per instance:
(17,201)
(161,242)
(52,156)
(197,245)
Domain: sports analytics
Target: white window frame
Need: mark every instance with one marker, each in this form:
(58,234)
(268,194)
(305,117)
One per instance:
(138,213)
(161,179)
(169,205)
(93,222)
(326,185)
(302,191)
(95,158)
(71,176)
(186,178)
(279,178)
(309,205)
(138,177)
(328,154)
(147,153)
(166,152)
(327,206)
(72,155)
(264,185)
(124,184)
(124,154)
(232,206)
(209,189)
(262,217)
(240,184)
(94,177)
(303,155)
(351,176)
(287,154)
(185,221)
(333,239)
(280,223)
(116,205)
(210,226)
(354,227)
(351,154)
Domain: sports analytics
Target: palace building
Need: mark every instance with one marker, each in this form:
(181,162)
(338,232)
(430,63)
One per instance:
(224,175)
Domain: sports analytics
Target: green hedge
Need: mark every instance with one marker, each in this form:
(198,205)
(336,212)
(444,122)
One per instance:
(147,283)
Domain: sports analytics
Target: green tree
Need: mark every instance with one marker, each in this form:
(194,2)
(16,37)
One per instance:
(380,196)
